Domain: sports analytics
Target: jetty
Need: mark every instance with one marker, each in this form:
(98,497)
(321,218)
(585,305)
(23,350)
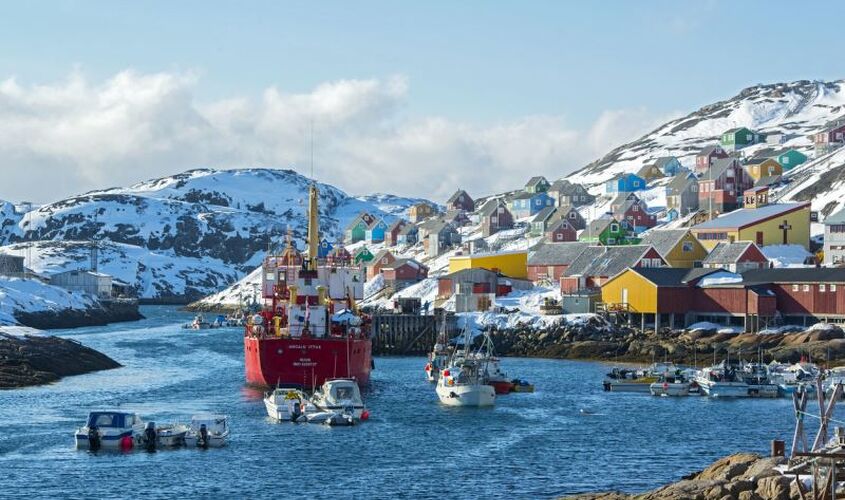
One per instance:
(409,330)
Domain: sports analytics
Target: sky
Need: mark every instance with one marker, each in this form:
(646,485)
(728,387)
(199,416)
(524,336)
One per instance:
(410,98)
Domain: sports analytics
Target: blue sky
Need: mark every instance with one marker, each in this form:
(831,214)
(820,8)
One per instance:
(477,64)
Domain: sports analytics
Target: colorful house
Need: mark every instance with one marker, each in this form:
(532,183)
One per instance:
(759,167)
(678,247)
(650,172)
(736,257)
(408,235)
(362,256)
(830,137)
(513,264)
(605,230)
(381,259)
(419,212)
(391,236)
(834,238)
(528,204)
(682,194)
(776,224)
(549,260)
(376,231)
(460,201)
(790,158)
(707,156)
(595,265)
(634,215)
(537,184)
(571,214)
(720,188)
(543,219)
(357,228)
(402,273)
(566,193)
(324,248)
(440,237)
(739,137)
(756,197)
(495,217)
(560,231)
(669,165)
(625,183)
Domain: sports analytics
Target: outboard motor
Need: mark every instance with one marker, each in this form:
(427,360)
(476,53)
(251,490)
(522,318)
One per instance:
(93,438)
(150,436)
(202,439)
(297,411)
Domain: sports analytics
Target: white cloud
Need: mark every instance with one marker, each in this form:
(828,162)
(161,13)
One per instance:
(76,135)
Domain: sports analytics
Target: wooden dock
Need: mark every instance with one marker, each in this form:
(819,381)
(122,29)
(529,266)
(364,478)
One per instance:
(405,334)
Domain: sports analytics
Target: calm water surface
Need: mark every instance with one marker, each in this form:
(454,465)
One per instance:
(530,446)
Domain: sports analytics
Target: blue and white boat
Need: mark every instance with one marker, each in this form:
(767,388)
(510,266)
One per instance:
(110,430)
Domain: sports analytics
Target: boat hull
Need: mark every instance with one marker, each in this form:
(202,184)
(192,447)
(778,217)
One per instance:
(675,390)
(501,386)
(467,395)
(306,363)
(644,387)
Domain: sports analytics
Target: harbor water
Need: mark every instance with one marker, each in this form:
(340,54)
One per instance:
(538,445)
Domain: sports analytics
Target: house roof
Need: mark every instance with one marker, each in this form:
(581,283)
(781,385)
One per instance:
(836,217)
(757,160)
(433,225)
(663,161)
(397,223)
(664,240)
(489,208)
(680,183)
(719,167)
(559,185)
(524,196)
(606,260)
(535,180)
(383,253)
(734,130)
(455,196)
(768,180)
(354,222)
(408,229)
(544,214)
(558,254)
(748,216)
(673,276)
(643,171)
(727,253)
(556,224)
(403,261)
(708,150)
(794,275)
(596,226)
(833,124)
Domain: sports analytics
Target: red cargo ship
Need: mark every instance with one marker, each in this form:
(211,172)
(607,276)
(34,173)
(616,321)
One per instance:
(309,329)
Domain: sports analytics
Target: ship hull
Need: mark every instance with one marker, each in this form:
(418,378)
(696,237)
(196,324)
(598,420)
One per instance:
(307,362)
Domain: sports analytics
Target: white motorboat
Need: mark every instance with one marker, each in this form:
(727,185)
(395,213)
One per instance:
(340,395)
(334,418)
(629,380)
(207,431)
(110,430)
(670,385)
(288,405)
(171,435)
(729,381)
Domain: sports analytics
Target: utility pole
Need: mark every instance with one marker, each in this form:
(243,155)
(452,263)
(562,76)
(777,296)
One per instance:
(27,205)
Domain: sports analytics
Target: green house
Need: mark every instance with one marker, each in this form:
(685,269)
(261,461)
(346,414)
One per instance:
(739,137)
(363,254)
(791,158)
(605,230)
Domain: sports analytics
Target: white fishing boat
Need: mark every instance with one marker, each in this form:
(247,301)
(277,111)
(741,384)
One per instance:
(110,430)
(629,380)
(340,395)
(288,404)
(731,381)
(438,358)
(207,431)
(463,385)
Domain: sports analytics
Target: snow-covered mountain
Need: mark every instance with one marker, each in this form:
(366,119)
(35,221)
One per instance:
(188,234)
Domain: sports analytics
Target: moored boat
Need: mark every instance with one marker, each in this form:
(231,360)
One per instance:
(171,435)
(287,404)
(340,396)
(462,384)
(110,430)
(670,385)
(207,431)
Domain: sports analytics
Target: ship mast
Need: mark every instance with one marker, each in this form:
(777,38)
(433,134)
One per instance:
(313,227)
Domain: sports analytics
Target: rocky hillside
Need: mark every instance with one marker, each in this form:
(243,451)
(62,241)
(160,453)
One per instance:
(188,234)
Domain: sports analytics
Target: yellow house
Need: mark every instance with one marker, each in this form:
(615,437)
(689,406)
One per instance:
(678,247)
(763,167)
(776,224)
(630,290)
(513,264)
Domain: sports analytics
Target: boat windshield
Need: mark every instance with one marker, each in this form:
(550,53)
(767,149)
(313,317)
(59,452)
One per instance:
(100,419)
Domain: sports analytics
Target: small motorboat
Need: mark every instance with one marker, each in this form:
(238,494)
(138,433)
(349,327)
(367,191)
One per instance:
(207,431)
(520,385)
(171,435)
(288,405)
(338,395)
(110,430)
(670,385)
(463,385)
(333,418)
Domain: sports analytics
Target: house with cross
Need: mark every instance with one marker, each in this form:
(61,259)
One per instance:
(765,224)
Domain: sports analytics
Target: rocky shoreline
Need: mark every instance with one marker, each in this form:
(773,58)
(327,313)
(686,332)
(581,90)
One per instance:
(74,318)
(743,476)
(596,339)
(27,360)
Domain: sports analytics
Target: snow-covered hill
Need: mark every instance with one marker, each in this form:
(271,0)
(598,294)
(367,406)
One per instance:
(193,232)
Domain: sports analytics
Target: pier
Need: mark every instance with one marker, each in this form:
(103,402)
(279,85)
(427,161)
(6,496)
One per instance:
(408,330)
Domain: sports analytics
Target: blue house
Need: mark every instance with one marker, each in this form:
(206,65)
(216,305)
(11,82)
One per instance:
(324,248)
(375,233)
(527,204)
(669,165)
(625,183)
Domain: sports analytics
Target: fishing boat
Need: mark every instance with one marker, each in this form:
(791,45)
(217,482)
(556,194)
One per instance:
(462,382)
(288,404)
(340,396)
(438,358)
(670,385)
(309,329)
(199,323)
(207,431)
(171,435)
(798,377)
(110,430)
(629,380)
(727,380)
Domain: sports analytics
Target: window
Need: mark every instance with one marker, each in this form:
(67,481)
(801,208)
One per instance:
(611,241)
(794,288)
(821,287)
(636,184)
(687,246)
(785,160)
(614,228)
(559,236)
(748,137)
(832,288)
(571,215)
(806,288)
(636,208)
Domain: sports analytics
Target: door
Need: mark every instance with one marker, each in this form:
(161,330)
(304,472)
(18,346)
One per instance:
(624,295)
(759,237)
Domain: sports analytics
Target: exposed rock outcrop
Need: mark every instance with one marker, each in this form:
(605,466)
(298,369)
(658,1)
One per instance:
(34,359)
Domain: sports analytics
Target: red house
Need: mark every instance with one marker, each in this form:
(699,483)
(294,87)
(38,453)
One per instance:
(721,187)
(561,231)
(403,272)
(391,235)
(705,158)
(548,261)
(460,201)
(597,264)
(831,136)
(635,214)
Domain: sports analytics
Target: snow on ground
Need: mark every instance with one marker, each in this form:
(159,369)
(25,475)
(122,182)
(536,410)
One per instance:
(373,286)
(786,255)
(245,291)
(706,325)
(823,327)
(31,295)
(781,329)
(18,331)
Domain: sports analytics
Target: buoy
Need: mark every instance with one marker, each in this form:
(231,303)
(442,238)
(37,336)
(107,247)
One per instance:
(365,415)
(126,443)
